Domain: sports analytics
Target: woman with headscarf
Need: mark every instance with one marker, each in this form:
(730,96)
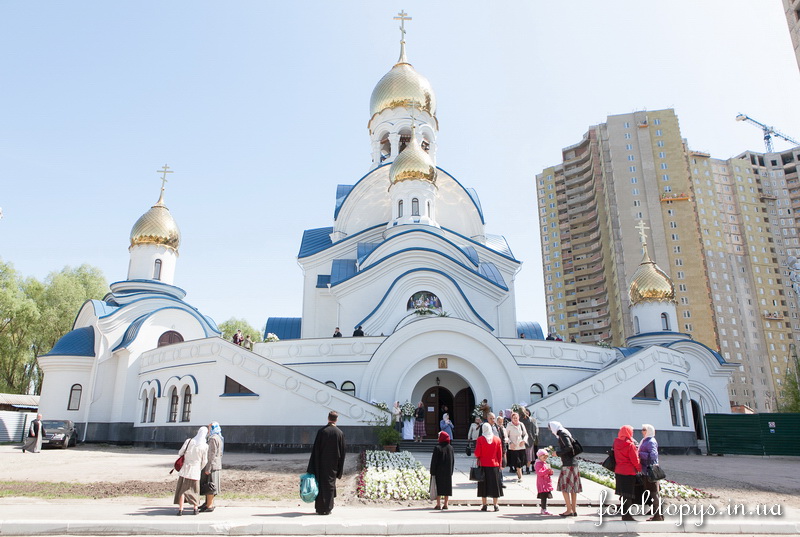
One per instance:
(195,453)
(397,417)
(442,466)
(419,422)
(209,480)
(532,445)
(489,452)
(569,478)
(517,439)
(628,465)
(648,456)
(446,425)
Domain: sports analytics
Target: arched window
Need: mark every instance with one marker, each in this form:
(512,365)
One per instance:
(187,404)
(349,388)
(664,321)
(331,384)
(386,147)
(157,270)
(551,389)
(636,325)
(673,408)
(537,392)
(75,397)
(145,400)
(400,209)
(169,338)
(428,213)
(683,410)
(153,402)
(173,406)
(414,207)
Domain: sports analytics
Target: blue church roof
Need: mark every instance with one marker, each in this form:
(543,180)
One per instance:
(323,281)
(284,327)
(470,252)
(341,193)
(531,329)
(498,243)
(315,240)
(342,269)
(366,248)
(490,271)
(78,342)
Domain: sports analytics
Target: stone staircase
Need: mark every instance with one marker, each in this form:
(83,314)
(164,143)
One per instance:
(426,446)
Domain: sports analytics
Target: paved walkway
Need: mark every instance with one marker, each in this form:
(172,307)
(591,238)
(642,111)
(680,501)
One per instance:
(518,515)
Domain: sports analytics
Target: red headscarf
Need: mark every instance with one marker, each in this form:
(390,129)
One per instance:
(445,438)
(625,432)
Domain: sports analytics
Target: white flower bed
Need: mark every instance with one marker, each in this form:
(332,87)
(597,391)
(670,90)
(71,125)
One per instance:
(393,476)
(600,474)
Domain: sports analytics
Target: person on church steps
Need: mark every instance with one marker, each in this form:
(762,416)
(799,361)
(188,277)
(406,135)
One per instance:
(569,479)
(489,452)
(209,479)
(195,452)
(446,425)
(532,445)
(627,456)
(419,422)
(238,338)
(442,465)
(327,463)
(36,432)
(517,439)
(337,333)
(358,332)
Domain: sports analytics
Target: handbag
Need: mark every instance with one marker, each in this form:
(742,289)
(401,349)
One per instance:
(655,473)
(308,488)
(476,473)
(469,449)
(433,491)
(577,448)
(177,465)
(610,463)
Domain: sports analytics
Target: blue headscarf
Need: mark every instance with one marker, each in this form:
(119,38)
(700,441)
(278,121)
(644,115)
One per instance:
(216,429)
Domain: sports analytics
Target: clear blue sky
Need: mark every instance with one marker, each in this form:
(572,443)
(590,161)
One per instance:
(261,109)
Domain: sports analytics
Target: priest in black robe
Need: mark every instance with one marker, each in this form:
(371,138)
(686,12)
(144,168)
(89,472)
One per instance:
(327,463)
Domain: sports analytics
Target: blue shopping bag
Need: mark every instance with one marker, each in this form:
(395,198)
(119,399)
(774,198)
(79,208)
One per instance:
(308,488)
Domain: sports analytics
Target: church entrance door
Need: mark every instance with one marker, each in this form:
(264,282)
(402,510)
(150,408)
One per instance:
(437,401)
(462,412)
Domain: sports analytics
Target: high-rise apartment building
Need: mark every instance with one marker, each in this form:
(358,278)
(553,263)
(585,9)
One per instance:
(721,229)
(792,9)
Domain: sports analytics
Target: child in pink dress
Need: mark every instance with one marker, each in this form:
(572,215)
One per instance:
(544,483)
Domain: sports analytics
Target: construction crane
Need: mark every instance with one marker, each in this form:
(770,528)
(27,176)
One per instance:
(769,132)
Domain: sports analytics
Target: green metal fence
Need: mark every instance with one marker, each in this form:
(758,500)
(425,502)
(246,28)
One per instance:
(753,434)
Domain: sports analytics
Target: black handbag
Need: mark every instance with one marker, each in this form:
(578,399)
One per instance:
(610,463)
(655,473)
(476,473)
(469,449)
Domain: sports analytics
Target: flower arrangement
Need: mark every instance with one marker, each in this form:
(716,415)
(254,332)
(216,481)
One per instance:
(392,476)
(517,407)
(381,405)
(271,338)
(599,474)
(407,410)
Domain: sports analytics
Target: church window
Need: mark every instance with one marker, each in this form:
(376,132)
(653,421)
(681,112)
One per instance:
(173,406)
(414,207)
(233,387)
(537,392)
(349,388)
(648,392)
(153,401)
(428,213)
(169,338)
(145,400)
(551,389)
(157,270)
(400,209)
(75,397)
(664,321)
(673,408)
(683,410)
(386,147)
(636,329)
(331,384)
(187,404)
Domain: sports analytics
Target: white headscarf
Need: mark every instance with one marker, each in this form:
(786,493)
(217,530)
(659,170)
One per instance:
(556,426)
(200,438)
(486,431)
(651,431)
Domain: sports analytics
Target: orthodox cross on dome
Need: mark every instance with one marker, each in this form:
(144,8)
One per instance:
(642,234)
(163,171)
(402,17)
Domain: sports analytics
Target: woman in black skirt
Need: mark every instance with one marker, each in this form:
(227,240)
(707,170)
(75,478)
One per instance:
(489,453)
(442,466)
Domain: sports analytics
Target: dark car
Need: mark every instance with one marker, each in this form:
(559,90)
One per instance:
(59,433)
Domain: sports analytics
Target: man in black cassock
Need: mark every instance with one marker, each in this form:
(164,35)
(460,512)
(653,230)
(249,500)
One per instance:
(327,463)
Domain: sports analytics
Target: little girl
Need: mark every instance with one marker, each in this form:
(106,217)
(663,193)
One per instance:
(544,484)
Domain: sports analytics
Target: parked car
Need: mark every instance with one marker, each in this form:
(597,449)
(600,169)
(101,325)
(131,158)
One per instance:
(59,433)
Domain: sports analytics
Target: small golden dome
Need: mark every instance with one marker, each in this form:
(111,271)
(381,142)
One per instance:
(402,86)
(156,226)
(412,164)
(650,283)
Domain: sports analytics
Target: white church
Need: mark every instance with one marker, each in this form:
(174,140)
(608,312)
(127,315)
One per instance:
(407,258)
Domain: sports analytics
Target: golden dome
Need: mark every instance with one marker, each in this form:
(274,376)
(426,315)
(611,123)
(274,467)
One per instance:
(402,86)
(413,163)
(650,283)
(156,226)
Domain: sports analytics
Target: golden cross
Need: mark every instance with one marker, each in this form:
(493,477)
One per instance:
(164,171)
(641,227)
(402,17)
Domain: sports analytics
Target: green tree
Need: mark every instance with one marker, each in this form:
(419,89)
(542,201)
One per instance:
(19,317)
(790,395)
(229,327)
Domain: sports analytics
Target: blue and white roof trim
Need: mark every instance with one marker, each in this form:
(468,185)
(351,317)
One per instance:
(323,281)
(498,243)
(315,240)
(470,252)
(342,269)
(341,193)
(78,342)
(209,328)
(532,330)
(490,271)
(284,327)
(366,248)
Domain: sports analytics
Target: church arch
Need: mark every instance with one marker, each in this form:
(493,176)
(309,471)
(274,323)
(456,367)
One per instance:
(169,337)
(349,388)
(157,269)
(186,409)
(414,206)
(636,329)
(153,405)
(664,321)
(172,417)
(75,393)
(145,402)
(552,388)
(537,392)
